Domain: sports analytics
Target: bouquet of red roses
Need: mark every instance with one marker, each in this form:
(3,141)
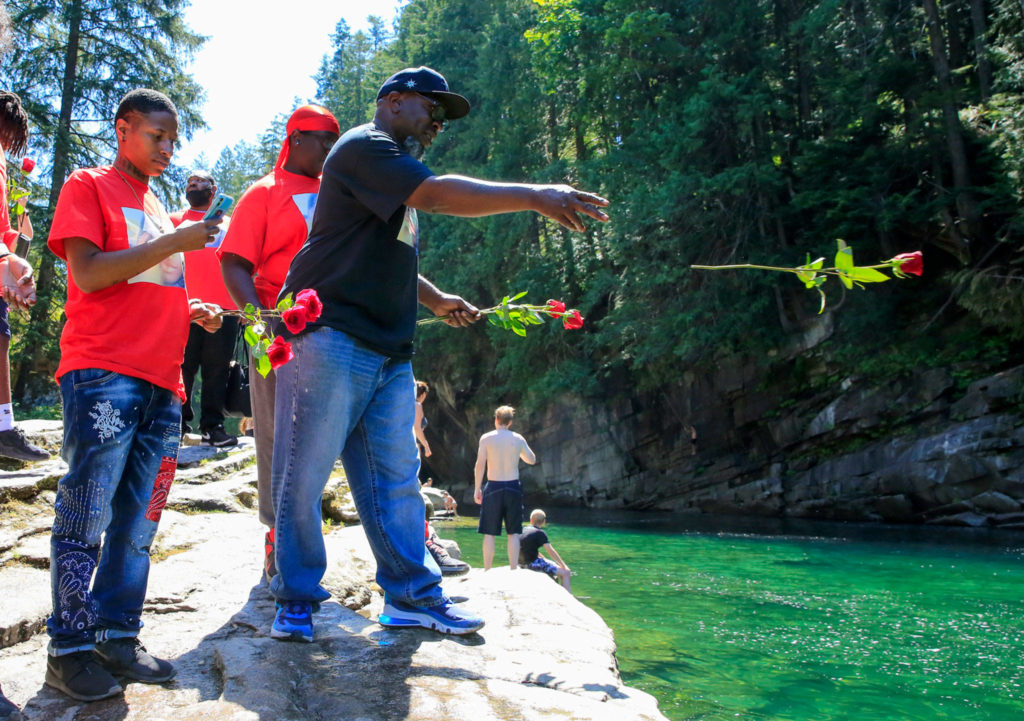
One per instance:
(271,351)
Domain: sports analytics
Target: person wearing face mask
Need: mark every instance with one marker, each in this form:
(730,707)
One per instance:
(270,223)
(206,353)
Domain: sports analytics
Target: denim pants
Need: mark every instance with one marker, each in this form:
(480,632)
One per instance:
(337,397)
(121,447)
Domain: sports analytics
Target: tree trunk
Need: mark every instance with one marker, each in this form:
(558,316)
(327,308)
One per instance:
(954,132)
(980,53)
(46,285)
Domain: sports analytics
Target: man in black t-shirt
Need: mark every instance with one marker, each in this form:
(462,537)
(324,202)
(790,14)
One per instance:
(349,390)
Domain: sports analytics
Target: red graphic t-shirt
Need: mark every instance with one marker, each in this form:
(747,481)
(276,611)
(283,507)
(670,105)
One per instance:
(9,236)
(270,224)
(202,267)
(137,327)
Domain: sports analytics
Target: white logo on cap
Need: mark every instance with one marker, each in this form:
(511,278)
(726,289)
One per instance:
(410,83)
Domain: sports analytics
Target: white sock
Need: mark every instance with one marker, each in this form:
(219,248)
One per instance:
(6,417)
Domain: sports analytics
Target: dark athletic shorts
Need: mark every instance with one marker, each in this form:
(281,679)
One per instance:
(544,566)
(503,500)
(5,322)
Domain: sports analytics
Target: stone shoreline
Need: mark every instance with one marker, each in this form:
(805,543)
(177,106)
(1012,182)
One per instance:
(542,654)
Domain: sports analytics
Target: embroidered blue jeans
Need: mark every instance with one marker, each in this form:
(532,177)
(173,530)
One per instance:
(339,398)
(121,447)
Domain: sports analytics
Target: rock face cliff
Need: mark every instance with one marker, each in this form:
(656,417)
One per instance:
(739,441)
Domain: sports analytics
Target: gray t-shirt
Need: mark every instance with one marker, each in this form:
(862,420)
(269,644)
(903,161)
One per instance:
(363,248)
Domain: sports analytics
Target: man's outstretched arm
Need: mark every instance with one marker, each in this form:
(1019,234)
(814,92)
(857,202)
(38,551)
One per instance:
(470,198)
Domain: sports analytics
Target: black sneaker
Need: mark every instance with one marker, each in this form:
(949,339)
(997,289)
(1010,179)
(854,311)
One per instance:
(14,444)
(218,438)
(80,676)
(449,566)
(8,711)
(128,657)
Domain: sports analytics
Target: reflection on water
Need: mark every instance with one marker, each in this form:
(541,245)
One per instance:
(780,620)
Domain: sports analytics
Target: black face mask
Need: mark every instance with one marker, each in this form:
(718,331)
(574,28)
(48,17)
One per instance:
(199,198)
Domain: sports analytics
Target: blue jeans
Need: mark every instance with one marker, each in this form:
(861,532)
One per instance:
(121,446)
(337,397)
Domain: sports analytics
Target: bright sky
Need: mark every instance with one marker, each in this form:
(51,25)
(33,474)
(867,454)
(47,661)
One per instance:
(252,70)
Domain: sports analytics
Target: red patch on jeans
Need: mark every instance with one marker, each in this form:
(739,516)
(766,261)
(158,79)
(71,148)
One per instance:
(162,486)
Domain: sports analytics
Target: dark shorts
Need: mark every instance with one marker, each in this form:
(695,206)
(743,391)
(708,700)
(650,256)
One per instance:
(5,321)
(503,500)
(544,566)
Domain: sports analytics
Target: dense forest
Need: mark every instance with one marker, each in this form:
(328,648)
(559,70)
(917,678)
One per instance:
(748,131)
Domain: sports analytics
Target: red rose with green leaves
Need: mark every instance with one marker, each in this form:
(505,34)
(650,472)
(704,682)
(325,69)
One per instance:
(27,165)
(279,352)
(910,263)
(572,320)
(309,300)
(295,318)
(555,308)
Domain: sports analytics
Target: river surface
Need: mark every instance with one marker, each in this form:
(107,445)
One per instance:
(799,621)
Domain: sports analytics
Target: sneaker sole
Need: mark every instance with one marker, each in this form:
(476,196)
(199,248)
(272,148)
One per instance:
(129,676)
(290,636)
(53,682)
(392,618)
(454,572)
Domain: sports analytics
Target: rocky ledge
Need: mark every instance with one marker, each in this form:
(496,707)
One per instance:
(542,654)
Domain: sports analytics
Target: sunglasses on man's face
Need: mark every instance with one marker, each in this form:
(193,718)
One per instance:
(437,111)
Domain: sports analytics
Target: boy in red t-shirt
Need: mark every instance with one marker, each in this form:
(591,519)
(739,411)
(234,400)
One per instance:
(120,380)
(270,224)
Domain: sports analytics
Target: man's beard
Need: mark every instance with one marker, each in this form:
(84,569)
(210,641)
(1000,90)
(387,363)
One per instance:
(199,198)
(414,147)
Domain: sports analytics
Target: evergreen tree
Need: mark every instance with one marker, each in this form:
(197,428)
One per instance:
(72,62)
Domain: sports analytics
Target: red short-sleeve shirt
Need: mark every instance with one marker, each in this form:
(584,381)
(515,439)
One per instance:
(270,223)
(203,279)
(137,327)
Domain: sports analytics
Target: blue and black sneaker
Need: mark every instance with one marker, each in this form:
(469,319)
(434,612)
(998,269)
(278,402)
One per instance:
(294,622)
(446,617)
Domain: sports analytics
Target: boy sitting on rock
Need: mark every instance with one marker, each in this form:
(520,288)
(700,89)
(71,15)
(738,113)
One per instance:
(120,380)
(533,539)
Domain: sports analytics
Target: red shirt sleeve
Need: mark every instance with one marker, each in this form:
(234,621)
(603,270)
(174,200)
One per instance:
(78,215)
(248,228)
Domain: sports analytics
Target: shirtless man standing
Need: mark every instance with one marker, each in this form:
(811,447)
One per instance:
(502,497)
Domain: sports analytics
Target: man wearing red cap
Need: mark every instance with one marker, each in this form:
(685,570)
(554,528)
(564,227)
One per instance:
(270,224)
(350,389)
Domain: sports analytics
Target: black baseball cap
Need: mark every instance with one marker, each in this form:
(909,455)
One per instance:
(429,82)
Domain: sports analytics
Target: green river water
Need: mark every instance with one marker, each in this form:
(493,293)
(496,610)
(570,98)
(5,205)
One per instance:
(780,621)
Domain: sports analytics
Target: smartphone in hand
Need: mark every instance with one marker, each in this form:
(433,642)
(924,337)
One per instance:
(219,206)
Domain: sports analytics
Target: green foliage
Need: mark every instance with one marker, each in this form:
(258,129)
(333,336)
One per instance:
(240,166)
(748,131)
(73,62)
